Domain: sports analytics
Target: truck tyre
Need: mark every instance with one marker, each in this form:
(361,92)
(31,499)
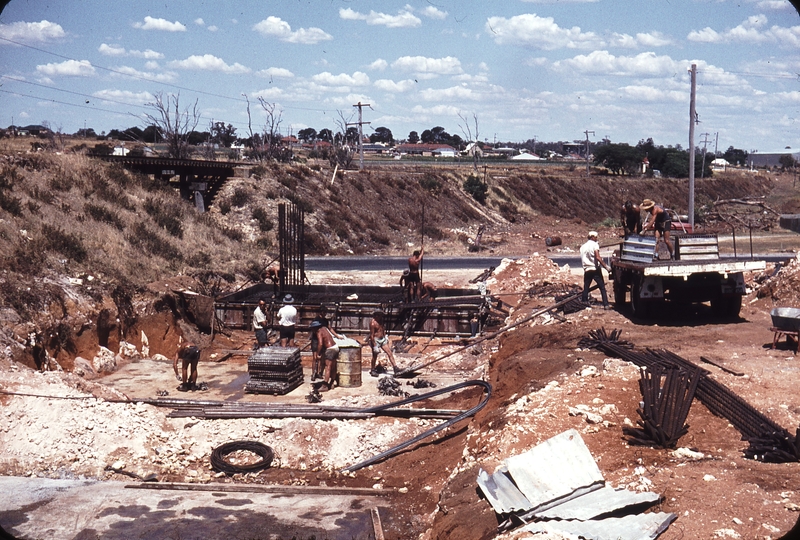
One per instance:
(727,307)
(640,308)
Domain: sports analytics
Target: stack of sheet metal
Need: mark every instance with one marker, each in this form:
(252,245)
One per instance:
(274,370)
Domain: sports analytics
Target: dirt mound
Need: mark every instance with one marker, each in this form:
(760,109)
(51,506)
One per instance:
(783,288)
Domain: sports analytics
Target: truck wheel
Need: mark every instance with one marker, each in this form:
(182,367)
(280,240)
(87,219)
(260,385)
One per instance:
(619,293)
(727,307)
(640,308)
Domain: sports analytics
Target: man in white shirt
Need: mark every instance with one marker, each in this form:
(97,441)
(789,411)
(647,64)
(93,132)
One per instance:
(592,261)
(260,323)
(287,319)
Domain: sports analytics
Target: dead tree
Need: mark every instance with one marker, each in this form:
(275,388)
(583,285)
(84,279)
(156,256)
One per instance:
(343,153)
(174,124)
(467,131)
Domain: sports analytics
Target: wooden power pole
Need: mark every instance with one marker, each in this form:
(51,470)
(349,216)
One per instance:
(692,121)
(360,123)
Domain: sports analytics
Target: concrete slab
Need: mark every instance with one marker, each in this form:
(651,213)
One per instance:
(47,508)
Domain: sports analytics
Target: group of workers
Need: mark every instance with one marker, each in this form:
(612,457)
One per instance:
(630,215)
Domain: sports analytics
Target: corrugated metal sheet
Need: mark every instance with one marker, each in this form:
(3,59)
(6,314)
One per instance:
(555,470)
(597,503)
(637,527)
(501,492)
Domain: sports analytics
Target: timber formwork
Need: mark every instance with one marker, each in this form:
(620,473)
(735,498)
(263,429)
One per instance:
(349,308)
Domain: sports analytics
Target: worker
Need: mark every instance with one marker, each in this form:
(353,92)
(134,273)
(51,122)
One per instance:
(592,261)
(379,341)
(429,291)
(272,273)
(414,279)
(659,221)
(189,355)
(287,319)
(405,283)
(329,350)
(631,219)
(260,323)
(317,364)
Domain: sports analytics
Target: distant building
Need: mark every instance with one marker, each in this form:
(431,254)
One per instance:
(426,149)
(769,159)
(525,156)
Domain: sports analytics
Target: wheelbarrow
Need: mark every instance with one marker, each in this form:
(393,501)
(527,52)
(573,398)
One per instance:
(786,322)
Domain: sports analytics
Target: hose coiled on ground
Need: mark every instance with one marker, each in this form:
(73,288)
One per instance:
(262,450)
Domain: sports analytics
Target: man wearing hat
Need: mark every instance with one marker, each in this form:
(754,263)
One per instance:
(659,221)
(592,261)
(287,318)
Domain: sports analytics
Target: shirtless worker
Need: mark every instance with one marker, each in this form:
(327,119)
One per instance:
(429,291)
(414,263)
(659,221)
(631,219)
(406,285)
(329,350)
(379,341)
(189,355)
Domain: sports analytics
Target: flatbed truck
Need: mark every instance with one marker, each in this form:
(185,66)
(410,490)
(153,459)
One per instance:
(642,267)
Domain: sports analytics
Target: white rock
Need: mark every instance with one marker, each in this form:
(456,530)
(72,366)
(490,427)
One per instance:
(709,478)
(104,361)
(726,533)
(120,465)
(685,453)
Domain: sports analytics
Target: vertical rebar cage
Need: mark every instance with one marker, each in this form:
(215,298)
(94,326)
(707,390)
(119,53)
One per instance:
(291,237)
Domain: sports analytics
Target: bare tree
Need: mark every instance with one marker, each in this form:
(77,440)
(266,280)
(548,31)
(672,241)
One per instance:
(272,146)
(343,151)
(174,124)
(467,131)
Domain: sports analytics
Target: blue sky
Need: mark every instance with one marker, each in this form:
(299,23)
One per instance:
(542,69)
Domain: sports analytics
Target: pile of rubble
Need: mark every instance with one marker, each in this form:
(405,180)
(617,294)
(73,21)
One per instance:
(516,276)
(783,286)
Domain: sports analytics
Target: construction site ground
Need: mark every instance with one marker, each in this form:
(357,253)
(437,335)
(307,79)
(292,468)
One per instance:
(543,384)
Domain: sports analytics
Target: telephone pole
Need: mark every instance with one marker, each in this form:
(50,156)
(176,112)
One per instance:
(705,142)
(360,123)
(692,121)
(587,149)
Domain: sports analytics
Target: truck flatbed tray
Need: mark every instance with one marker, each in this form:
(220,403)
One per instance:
(682,268)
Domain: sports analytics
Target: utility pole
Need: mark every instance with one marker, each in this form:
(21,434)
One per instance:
(692,121)
(587,149)
(716,145)
(705,142)
(360,124)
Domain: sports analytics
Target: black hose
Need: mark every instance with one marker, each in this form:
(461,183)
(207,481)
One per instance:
(262,450)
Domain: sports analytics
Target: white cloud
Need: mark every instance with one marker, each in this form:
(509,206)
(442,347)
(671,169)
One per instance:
(343,79)
(276,27)
(167,76)
(136,98)
(604,63)
(151,23)
(114,50)
(436,110)
(281,73)
(111,50)
(30,32)
(76,68)
(208,62)
(152,64)
(212,28)
(750,31)
(199,21)
(388,85)
(380,64)
(774,5)
(434,13)
(403,19)
(540,32)
(454,92)
(425,67)
(653,39)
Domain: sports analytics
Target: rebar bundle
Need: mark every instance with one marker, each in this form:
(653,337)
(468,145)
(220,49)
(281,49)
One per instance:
(667,395)
(596,337)
(768,441)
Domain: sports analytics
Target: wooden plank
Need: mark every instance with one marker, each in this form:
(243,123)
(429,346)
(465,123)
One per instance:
(376,523)
(723,368)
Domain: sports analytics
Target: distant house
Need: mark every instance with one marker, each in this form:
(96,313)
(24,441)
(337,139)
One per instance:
(525,156)
(375,148)
(426,149)
(720,164)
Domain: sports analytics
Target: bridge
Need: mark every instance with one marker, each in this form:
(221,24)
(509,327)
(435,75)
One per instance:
(197,180)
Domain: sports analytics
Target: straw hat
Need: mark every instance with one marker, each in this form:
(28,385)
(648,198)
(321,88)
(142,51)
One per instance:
(647,204)
(592,234)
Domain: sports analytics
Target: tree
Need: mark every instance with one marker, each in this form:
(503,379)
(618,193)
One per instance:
(383,135)
(222,134)
(86,133)
(174,123)
(476,188)
(325,135)
(787,161)
(618,158)
(427,136)
(413,137)
(735,156)
(467,131)
(308,135)
(267,144)
(151,134)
